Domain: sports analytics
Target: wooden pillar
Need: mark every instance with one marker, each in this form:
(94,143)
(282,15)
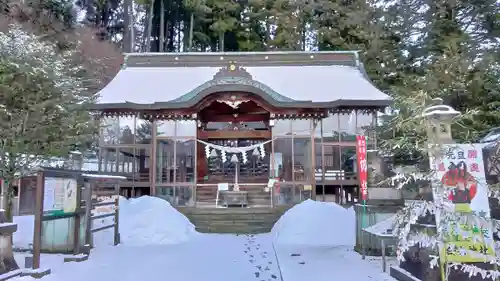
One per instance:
(37,233)
(322,161)
(314,123)
(99,160)
(293,162)
(339,175)
(272,162)
(175,158)
(152,159)
(374,127)
(195,165)
(117,159)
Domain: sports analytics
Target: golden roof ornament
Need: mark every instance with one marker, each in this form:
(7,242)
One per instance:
(232,70)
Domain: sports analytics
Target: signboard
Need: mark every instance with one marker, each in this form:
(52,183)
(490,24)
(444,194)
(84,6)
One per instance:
(461,172)
(362,166)
(223,186)
(59,196)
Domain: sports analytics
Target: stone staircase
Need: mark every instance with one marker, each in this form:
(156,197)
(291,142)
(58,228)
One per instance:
(257,196)
(234,220)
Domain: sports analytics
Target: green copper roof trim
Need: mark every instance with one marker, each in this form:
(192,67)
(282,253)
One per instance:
(232,81)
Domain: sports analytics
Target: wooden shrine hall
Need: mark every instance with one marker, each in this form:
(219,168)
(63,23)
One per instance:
(189,126)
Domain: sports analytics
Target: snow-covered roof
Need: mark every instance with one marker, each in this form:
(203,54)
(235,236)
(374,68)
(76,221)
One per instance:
(175,78)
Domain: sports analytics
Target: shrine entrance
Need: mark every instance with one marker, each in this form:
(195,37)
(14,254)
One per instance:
(244,168)
(233,137)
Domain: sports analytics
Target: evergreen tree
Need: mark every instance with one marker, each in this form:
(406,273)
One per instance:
(43,106)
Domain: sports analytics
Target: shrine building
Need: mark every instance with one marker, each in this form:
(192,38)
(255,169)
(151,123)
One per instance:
(182,126)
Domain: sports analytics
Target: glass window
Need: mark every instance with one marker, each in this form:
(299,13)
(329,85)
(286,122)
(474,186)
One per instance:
(165,161)
(127,130)
(364,122)
(185,158)
(302,158)
(110,130)
(301,127)
(281,163)
(186,128)
(166,128)
(282,128)
(143,131)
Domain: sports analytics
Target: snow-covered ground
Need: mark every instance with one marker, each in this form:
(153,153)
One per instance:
(313,240)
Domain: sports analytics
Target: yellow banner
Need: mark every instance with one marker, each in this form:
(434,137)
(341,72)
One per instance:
(464,241)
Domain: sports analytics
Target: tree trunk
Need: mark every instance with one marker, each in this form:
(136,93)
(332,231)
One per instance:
(191,30)
(149,27)
(221,42)
(161,43)
(127,5)
(7,200)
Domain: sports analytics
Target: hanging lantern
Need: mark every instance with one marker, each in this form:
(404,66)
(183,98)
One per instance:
(255,152)
(213,153)
(234,159)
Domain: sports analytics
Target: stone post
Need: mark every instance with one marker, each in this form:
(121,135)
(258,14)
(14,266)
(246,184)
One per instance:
(8,263)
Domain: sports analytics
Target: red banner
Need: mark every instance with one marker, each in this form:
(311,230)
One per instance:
(362,166)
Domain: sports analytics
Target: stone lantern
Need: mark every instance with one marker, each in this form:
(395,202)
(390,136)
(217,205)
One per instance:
(438,120)
(74,161)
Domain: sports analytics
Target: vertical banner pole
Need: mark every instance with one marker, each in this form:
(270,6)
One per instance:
(363,185)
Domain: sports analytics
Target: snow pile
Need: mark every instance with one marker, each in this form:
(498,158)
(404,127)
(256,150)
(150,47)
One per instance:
(143,221)
(23,237)
(315,223)
(147,221)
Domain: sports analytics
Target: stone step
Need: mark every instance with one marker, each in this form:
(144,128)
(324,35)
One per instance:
(244,217)
(234,230)
(234,220)
(277,209)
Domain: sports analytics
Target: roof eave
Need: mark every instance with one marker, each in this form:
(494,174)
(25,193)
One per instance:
(127,106)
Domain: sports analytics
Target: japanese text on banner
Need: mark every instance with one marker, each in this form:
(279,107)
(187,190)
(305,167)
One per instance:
(461,172)
(362,165)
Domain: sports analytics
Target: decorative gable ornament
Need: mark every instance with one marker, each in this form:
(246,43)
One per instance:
(232,70)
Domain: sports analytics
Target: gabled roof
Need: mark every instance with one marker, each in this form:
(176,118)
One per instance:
(284,79)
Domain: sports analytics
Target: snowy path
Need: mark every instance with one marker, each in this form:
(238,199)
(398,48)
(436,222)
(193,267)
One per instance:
(205,257)
(326,264)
